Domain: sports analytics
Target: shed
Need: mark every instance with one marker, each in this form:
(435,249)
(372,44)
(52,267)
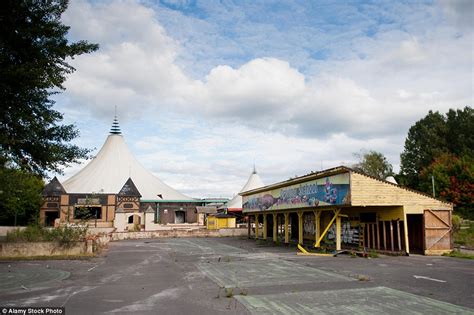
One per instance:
(341,207)
(220,221)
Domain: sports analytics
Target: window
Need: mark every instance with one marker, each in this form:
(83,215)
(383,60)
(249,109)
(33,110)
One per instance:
(88,213)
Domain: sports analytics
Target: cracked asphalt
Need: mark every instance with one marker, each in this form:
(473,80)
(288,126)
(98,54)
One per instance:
(237,276)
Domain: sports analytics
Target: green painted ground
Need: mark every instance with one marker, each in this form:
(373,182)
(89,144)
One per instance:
(251,273)
(378,300)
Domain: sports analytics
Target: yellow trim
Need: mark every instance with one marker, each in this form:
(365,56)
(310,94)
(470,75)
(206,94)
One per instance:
(318,242)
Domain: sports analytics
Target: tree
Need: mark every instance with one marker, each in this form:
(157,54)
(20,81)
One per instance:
(426,139)
(454,181)
(33,66)
(20,196)
(373,163)
(433,136)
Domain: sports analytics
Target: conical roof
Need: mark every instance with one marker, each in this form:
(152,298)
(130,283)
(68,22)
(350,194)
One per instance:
(113,166)
(54,188)
(253,182)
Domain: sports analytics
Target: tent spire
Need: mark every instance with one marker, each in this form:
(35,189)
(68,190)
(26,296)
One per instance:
(115,130)
(254,169)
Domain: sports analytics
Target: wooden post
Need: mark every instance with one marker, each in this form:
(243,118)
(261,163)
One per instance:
(317,225)
(256,226)
(275,224)
(248,225)
(264,226)
(369,235)
(287,238)
(384,236)
(300,228)
(378,234)
(338,233)
(398,234)
(373,234)
(405,232)
(391,235)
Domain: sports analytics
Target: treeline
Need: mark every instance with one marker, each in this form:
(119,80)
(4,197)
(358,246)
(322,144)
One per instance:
(439,149)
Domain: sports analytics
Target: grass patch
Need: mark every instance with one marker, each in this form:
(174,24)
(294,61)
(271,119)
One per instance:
(373,254)
(459,254)
(464,236)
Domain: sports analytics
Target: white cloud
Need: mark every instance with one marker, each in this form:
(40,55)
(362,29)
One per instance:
(289,116)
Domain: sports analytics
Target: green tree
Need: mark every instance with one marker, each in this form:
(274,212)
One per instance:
(426,140)
(454,181)
(373,163)
(34,52)
(460,131)
(20,196)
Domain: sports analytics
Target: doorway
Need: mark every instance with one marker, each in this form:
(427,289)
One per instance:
(415,233)
(179,217)
(50,216)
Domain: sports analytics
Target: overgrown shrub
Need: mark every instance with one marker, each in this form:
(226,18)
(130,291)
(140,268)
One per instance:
(456,221)
(36,233)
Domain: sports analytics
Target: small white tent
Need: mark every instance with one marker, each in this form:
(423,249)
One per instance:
(112,167)
(253,182)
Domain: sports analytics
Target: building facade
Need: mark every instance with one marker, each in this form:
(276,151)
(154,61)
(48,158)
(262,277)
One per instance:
(342,208)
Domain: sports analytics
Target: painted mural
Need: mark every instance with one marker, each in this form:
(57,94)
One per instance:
(332,190)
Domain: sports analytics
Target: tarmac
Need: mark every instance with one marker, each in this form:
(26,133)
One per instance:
(238,276)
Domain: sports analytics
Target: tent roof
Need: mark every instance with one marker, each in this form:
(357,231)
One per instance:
(253,182)
(112,167)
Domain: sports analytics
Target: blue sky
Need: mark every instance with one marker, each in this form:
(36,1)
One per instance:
(206,88)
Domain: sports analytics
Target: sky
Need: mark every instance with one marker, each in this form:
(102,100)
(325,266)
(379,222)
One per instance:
(206,89)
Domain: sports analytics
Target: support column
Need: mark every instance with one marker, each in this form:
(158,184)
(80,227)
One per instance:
(317,225)
(338,233)
(275,225)
(248,226)
(264,226)
(405,232)
(287,238)
(256,226)
(300,228)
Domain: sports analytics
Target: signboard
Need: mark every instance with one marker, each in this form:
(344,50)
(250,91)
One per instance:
(331,190)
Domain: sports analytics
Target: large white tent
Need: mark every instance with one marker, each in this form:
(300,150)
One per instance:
(253,182)
(112,167)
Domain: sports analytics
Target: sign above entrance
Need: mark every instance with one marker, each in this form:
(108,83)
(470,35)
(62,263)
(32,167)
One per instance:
(326,191)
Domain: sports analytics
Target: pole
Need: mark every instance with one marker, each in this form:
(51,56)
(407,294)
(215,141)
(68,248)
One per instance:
(433,184)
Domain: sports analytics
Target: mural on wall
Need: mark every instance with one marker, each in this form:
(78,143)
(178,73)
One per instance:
(332,190)
(349,234)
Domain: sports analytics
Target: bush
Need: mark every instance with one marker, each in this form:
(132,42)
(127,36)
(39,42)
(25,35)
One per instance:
(456,221)
(35,233)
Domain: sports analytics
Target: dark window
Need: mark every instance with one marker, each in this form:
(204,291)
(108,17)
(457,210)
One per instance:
(87,213)
(368,217)
(128,205)
(130,219)
(52,205)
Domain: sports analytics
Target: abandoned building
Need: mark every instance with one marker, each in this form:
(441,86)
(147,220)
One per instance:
(115,190)
(341,208)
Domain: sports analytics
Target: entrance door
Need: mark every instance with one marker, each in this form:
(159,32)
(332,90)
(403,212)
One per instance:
(50,216)
(179,217)
(415,233)
(437,231)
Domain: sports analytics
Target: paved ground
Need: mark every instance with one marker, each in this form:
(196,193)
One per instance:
(238,276)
